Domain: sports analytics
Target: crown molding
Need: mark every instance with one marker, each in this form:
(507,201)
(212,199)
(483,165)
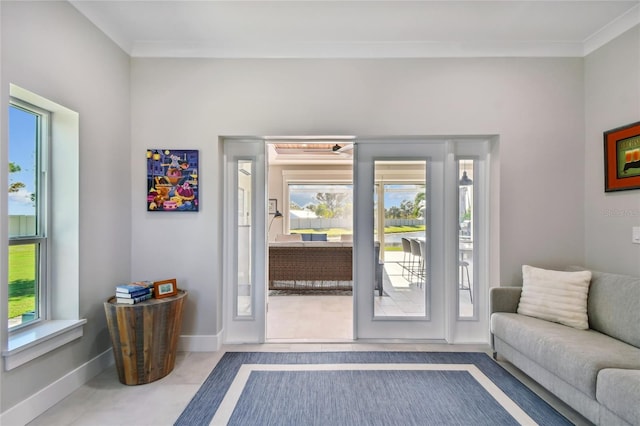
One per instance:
(293,50)
(612,30)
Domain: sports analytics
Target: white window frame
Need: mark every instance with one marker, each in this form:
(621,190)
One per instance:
(475,237)
(43,136)
(480,149)
(61,322)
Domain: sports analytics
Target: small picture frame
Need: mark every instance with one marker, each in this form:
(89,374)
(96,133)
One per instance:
(165,288)
(622,158)
(273,205)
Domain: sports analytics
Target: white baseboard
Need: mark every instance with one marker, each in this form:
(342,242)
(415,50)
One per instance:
(30,408)
(208,343)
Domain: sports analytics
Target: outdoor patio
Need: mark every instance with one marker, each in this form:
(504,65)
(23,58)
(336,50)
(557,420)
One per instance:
(403,293)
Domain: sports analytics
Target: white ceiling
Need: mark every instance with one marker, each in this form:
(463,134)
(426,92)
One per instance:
(360,29)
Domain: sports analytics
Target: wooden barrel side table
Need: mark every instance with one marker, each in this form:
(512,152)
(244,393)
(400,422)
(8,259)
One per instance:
(145,337)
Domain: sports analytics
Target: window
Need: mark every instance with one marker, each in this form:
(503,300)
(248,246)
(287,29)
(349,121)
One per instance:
(402,205)
(321,208)
(43,239)
(244,290)
(466,241)
(27,210)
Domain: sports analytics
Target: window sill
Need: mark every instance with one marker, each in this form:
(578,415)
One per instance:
(35,341)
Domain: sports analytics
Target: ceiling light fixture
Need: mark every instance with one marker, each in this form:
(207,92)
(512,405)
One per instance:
(309,138)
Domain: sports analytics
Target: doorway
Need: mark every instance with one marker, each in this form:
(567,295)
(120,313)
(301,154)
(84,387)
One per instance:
(310,193)
(425,172)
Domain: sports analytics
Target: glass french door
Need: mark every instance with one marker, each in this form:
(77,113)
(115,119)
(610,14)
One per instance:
(399,240)
(418,243)
(244,239)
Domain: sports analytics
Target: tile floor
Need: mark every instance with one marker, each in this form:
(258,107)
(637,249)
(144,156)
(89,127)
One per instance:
(405,295)
(312,318)
(104,401)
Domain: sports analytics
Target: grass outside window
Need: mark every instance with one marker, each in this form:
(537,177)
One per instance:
(22,279)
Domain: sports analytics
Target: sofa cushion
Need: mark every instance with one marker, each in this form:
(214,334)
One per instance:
(313,237)
(575,356)
(619,391)
(556,296)
(613,306)
(288,237)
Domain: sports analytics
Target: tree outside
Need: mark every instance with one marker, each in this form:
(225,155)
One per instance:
(332,205)
(408,209)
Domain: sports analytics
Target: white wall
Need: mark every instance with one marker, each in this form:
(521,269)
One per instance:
(50,49)
(536,107)
(612,99)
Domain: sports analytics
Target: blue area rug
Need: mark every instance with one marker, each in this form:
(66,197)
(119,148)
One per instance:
(364,388)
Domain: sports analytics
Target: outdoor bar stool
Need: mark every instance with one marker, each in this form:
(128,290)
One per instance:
(415,251)
(406,264)
(464,267)
(423,260)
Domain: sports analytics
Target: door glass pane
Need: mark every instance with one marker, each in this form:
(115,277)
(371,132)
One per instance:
(243,208)
(23,284)
(401,217)
(465,238)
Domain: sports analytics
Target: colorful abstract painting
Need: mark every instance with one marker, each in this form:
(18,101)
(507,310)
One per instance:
(172,180)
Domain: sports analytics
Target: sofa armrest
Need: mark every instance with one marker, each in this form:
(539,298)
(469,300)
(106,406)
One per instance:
(504,299)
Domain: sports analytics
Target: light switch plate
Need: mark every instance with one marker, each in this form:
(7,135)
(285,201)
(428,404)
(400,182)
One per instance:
(635,235)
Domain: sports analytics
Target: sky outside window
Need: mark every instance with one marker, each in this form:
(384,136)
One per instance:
(23,128)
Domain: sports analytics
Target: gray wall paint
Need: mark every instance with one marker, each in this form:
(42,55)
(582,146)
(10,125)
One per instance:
(77,66)
(536,107)
(612,99)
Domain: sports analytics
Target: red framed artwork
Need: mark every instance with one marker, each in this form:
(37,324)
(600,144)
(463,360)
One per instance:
(622,158)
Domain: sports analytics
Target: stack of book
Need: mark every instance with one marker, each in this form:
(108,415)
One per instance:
(135,292)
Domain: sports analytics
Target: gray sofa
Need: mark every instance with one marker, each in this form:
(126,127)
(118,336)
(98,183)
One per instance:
(595,371)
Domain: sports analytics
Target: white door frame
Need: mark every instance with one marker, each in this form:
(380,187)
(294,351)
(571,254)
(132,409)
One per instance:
(431,325)
(252,329)
(244,326)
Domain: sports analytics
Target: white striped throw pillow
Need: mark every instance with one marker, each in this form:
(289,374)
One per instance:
(555,296)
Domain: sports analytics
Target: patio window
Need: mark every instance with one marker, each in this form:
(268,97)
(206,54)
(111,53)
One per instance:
(321,209)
